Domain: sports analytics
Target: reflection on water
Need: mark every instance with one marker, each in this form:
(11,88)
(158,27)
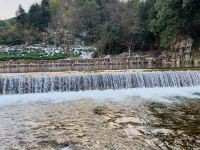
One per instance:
(94,67)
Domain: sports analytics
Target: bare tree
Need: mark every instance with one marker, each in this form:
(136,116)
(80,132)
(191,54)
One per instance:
(61,27)
(129,27)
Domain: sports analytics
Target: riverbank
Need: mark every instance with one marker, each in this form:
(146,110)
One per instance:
(69,62)
(95,72)
(158,58)
(135,123)
(99,68)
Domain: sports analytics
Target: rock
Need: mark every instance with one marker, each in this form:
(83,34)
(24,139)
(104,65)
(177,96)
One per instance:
(108,56)
(132,132)
(105,118)
(162,131)
(100,110)
(123,120)
(66,148)
(196,62)
(62,141)
(14,148)
(184,49)
(114,125)
(87,55)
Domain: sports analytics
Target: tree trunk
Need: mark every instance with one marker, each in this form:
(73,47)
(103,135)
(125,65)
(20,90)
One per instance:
(129,49)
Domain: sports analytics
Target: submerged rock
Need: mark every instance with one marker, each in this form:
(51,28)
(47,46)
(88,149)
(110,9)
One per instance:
(162,131)
(87,124)
(100,110)
(132,132)
(125,120)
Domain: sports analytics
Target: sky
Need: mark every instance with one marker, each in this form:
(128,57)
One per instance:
(8,8)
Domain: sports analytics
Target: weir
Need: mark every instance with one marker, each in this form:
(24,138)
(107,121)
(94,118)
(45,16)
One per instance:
(121,80)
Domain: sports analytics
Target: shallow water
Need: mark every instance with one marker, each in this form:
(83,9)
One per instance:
(127,123)
(139,118)
(154,94)
(96,67)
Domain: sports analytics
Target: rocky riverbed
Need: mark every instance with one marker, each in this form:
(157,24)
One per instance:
(87,124)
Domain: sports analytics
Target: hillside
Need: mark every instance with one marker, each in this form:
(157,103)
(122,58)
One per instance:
(112,26)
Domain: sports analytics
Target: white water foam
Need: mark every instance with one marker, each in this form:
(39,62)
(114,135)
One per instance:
(157,94)
(45,84)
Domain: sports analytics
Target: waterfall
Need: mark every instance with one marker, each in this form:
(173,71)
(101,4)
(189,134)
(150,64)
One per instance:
(43,84)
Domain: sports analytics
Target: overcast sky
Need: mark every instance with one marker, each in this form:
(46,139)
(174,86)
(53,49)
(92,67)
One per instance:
(8,8)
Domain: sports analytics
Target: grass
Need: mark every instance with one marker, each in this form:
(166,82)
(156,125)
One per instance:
(4,56)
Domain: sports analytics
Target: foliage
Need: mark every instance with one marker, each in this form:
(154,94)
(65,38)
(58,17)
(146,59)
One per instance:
(26,27)
(15,55)
(113,26)
(7,24)
(21,17)
(89,19)
(39,16)
(176,18)
(17,36)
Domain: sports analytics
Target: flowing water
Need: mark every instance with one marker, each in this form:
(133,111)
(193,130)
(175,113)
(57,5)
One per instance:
(100,110)
(123,80)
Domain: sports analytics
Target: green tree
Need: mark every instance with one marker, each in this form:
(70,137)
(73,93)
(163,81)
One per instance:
(175,18)
(191,17)
(21,17)
(45,15)
(7,25)
(167,21)
(34,17)
(111,40)
(89,21)
(39,16)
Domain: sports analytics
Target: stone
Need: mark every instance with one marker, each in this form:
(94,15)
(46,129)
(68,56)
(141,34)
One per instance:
(132,132)
(100,110)
(123,120)
(162,131)
(62,141)
(114,125)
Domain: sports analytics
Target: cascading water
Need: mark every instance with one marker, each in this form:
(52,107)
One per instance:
(44,84)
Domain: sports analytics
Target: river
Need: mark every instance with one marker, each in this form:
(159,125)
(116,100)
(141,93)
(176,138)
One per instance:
(109,109)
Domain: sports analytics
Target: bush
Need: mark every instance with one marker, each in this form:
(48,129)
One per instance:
(29,56)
